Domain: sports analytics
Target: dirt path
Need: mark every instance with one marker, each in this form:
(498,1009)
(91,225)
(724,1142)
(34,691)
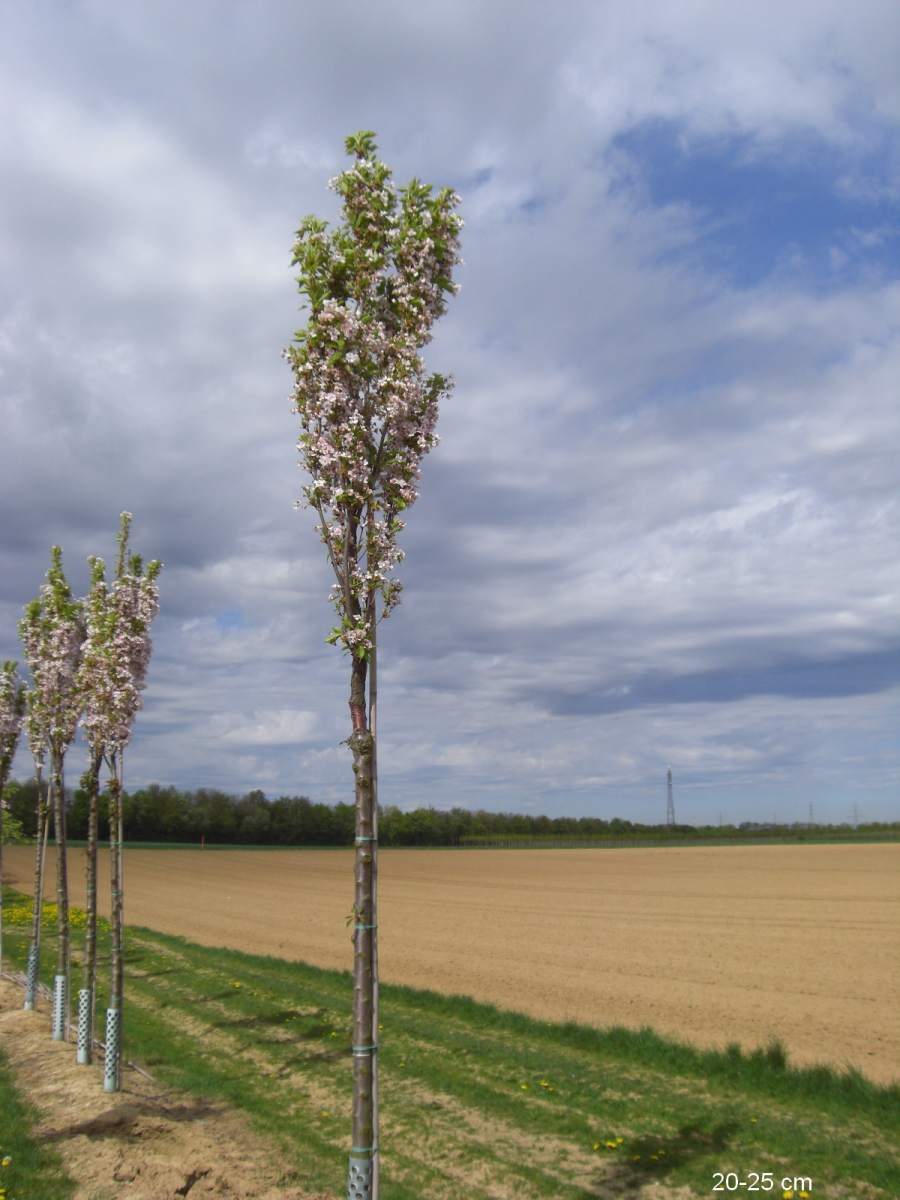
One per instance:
(710,945)
(145,1142)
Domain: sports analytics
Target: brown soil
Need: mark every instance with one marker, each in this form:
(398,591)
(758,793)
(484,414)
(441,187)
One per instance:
(711,945)
(144,1142)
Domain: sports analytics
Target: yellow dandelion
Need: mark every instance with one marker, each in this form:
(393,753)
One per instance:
(596,1145)
(524,1087)
(5,1161)
(620,1140)
(788,1194)
(805,1195)
(611,1146)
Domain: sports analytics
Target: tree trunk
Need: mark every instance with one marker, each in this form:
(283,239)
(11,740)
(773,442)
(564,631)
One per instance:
(89,974)
(115,863)
(62,881)
(362,1151)
(2,786)
(115,871)
(373,729)
(40,850)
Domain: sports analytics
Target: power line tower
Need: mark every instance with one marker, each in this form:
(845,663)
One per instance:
(811,817)
(670,803)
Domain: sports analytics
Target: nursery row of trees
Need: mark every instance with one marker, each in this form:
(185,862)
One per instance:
(88,661)
(167,814)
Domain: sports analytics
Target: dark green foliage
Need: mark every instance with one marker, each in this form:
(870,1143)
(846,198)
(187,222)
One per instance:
(165,814)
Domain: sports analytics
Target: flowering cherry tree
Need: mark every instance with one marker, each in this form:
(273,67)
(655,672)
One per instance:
(35,725)
(12,712)
(52,631)
(112,675)
(374,288)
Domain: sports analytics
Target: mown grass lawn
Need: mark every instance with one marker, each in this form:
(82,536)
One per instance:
(477,1102)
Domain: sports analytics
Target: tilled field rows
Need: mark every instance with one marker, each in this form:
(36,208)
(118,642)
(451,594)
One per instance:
(711,945)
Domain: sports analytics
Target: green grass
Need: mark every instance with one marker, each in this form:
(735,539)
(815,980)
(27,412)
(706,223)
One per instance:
(478,1102)
(34,1172)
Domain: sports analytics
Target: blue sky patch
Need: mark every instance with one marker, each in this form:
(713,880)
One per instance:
(757,214)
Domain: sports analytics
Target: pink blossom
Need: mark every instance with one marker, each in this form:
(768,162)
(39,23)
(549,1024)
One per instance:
(375,287)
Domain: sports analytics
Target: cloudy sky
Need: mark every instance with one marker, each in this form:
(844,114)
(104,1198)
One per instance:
(662,523)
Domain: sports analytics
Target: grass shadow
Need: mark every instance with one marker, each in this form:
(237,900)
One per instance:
(645,1160)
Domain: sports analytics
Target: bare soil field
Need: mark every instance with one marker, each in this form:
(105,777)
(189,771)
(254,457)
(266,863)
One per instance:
(710,945)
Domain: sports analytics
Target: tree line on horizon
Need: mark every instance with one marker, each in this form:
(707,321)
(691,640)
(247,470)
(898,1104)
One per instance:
(167,814)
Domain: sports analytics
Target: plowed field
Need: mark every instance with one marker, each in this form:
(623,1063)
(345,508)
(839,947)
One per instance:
(710,945)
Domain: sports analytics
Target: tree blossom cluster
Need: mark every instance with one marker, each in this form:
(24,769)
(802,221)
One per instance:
(52,632)
(117,649)
(375,286)
(88,658)
(12,713)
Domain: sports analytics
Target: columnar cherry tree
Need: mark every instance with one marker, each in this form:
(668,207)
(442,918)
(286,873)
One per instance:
(35,725)
(52,631)
(113,674)
(12,712)
(100,630)
(374,288)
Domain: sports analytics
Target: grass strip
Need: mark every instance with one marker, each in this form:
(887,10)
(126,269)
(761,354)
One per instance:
(28,1170)
(481,1102)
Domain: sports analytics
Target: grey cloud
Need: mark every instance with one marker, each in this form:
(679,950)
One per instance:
(649,476)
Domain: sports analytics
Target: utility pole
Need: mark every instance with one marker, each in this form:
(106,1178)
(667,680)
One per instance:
(670,803)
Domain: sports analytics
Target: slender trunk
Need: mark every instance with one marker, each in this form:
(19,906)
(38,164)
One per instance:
(364,1031)
(37,908)
(115,864)
(40,842)
(112,1074)
(89,982)
(373,711)
(120,765)
(3,773)
(62,880)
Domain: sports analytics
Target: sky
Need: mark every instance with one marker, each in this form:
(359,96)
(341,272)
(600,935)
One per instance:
(661,528)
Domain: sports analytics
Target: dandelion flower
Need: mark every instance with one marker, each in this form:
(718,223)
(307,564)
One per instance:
(788,1194)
